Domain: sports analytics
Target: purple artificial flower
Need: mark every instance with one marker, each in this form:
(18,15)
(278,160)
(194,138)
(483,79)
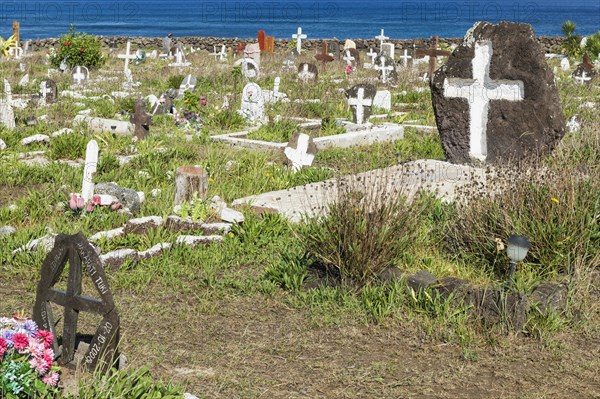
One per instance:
(7,335)
(31,327)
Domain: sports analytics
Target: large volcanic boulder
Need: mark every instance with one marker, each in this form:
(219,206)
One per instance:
(495,99)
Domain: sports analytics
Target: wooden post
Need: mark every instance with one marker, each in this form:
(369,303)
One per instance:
(16,26)
(261,40)
(190,182)
(269,44)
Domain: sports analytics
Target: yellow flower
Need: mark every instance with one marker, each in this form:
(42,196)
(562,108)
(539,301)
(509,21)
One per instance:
(554,199)
(210,180)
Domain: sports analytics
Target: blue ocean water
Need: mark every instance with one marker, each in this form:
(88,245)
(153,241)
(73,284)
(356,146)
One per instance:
(319,19)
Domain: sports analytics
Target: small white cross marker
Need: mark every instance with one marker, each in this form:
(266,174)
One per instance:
(381,38)
(405,58)
(372,55)
(583,78)
(479,91)
(127,57)
(299,36)
(300,156)
(91,162)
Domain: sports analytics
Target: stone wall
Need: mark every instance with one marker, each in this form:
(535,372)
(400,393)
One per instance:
(550,44)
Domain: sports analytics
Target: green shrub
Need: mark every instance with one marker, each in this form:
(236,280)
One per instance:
(366,231)
(289,272)
(78,49)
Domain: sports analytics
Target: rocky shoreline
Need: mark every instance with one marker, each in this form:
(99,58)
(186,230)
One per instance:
(551,44)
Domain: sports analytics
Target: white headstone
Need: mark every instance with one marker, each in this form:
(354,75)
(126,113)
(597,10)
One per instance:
(253,51)
(478,92)
(91,162)
(24,80)
(564,64)
(250,68)
(221,55)
(253,103)
(299,36)
(348,44)
(275,95)
(388,49)
(299,156)
(188,84)
(7,115)
(15,52)
(7,91)
(360,102)
(383,100)
(80,75)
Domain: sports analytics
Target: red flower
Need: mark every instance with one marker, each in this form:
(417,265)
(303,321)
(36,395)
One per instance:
(81,49)
(20,341)
(67,44)
(46,336)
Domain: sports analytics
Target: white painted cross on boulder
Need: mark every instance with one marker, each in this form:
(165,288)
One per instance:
(300,156)
(479,91)
(383,69)
(360,102)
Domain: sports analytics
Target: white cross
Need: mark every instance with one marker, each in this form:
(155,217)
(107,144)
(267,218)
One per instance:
(276,84)
(381,38)
(348,57)
(405,58)
(222,55)
(79,76)
(299,36)
(479,91)
(384,69)
(91,162)
(360,102)
(583,78)
(127,56)
(305,74)
(372,55)
(299,155)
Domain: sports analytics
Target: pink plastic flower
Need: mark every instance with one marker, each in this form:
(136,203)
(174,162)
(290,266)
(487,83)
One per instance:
(348,70)
(39,365)
(73,202)
(20,341)
(47,337)
(115,206)
(96,199)
(51,379)
(90,206)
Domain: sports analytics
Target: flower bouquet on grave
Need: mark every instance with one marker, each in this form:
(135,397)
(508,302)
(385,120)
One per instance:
(27,367)
(78,205)
(188,119)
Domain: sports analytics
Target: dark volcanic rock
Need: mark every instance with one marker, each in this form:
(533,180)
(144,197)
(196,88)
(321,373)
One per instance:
(550,296)
(420,280)
(523,114)
(128,197)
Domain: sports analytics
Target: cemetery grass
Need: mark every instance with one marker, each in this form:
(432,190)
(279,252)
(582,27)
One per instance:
(240,319)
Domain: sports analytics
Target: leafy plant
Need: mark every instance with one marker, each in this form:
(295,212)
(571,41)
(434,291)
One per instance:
(122,384)
(289,272)
(225,120)
(5,45)
(592,46)
(281,131)
(197,210)
(78,49)
(571,43)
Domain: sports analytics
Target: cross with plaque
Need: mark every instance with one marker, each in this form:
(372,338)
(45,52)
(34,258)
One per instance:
(80,254)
